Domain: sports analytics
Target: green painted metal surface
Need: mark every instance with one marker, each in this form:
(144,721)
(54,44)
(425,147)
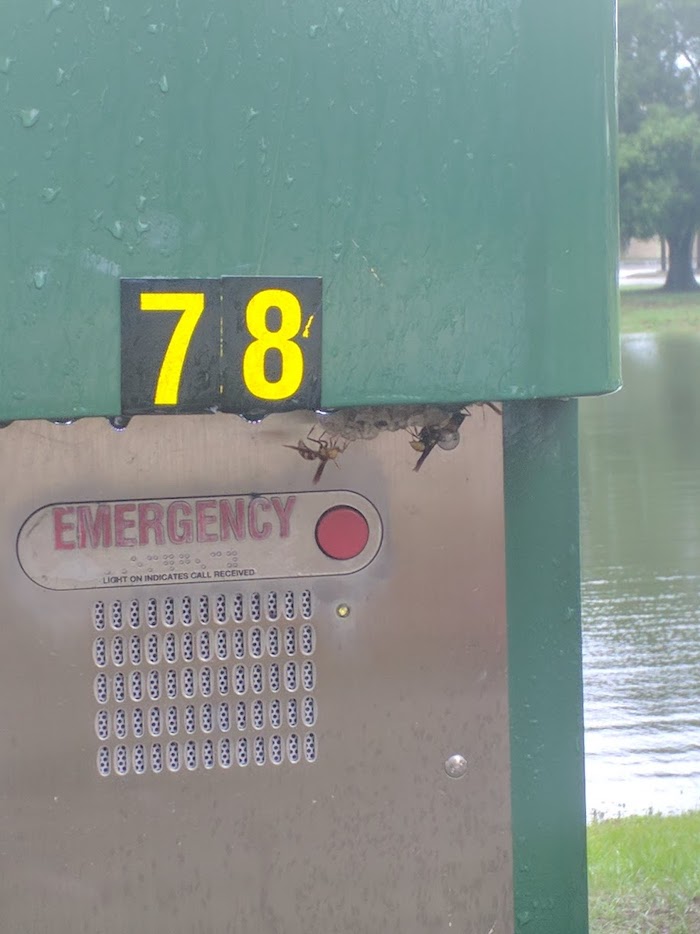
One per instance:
(546,691)
(447,168)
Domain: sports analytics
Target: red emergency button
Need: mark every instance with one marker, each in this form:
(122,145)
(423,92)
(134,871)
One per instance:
(342,532)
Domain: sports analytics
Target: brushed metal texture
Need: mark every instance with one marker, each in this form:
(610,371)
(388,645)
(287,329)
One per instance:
(410,656)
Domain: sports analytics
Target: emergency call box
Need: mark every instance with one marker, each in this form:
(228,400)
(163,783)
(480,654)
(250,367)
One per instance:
(236,700)
(257,673)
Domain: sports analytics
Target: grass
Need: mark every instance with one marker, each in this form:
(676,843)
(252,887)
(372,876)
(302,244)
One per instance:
(656,311)
(644,875)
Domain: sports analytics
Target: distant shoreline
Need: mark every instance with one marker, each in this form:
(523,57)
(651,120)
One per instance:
(649,309)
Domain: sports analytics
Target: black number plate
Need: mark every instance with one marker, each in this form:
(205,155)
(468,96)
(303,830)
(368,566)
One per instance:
(244,344)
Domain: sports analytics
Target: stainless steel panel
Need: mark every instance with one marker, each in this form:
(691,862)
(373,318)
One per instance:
(387,828)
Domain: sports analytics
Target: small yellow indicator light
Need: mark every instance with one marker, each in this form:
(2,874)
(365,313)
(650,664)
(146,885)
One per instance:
(343,610)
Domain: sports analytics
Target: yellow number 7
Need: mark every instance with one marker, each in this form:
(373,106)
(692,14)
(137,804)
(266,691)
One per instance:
(191,304)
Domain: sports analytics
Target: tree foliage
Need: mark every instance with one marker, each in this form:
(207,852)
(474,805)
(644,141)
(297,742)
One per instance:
(659,116)
(659,58)
(660,174)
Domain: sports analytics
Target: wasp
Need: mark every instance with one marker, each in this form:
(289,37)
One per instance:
(327,449)
(445,436)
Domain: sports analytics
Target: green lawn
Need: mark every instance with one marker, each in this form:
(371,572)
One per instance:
(644,875)
(652,309)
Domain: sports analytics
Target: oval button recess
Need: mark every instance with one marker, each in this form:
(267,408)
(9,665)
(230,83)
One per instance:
(206,539)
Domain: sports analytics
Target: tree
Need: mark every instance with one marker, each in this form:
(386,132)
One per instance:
(659,117)
(660,187)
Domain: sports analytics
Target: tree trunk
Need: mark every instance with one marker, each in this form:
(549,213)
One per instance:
(680,276)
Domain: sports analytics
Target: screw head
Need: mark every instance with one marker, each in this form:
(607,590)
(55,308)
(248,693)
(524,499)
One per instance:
(456,766)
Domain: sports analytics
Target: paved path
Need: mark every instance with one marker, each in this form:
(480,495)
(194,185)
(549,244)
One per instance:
(640,274)
(636,275)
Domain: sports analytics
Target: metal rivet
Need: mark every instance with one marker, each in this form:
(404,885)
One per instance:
(456,766)
(343,610)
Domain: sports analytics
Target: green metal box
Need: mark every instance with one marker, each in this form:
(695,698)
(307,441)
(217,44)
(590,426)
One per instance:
(446,168)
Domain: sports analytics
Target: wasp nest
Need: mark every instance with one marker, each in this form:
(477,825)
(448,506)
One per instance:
(367,422)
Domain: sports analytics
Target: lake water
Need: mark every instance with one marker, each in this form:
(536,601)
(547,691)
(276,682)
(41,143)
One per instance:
(640,536)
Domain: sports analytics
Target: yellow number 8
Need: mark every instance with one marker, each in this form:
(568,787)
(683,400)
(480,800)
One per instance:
(292,369)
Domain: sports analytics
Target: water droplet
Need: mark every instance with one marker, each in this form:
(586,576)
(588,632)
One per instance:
(315,30)
(396,5)
(60,76)
(163,84)
(289,180)
(3,206)
(252,114)
(142,202)
(448,439)
(119,422)
(5,65)
(117,230)
(40,278)
(18,395)
(142,226)
(336,250)
(152,27)
(53,6)
(106,12)
(29,117)
(50,194)
(139,140)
